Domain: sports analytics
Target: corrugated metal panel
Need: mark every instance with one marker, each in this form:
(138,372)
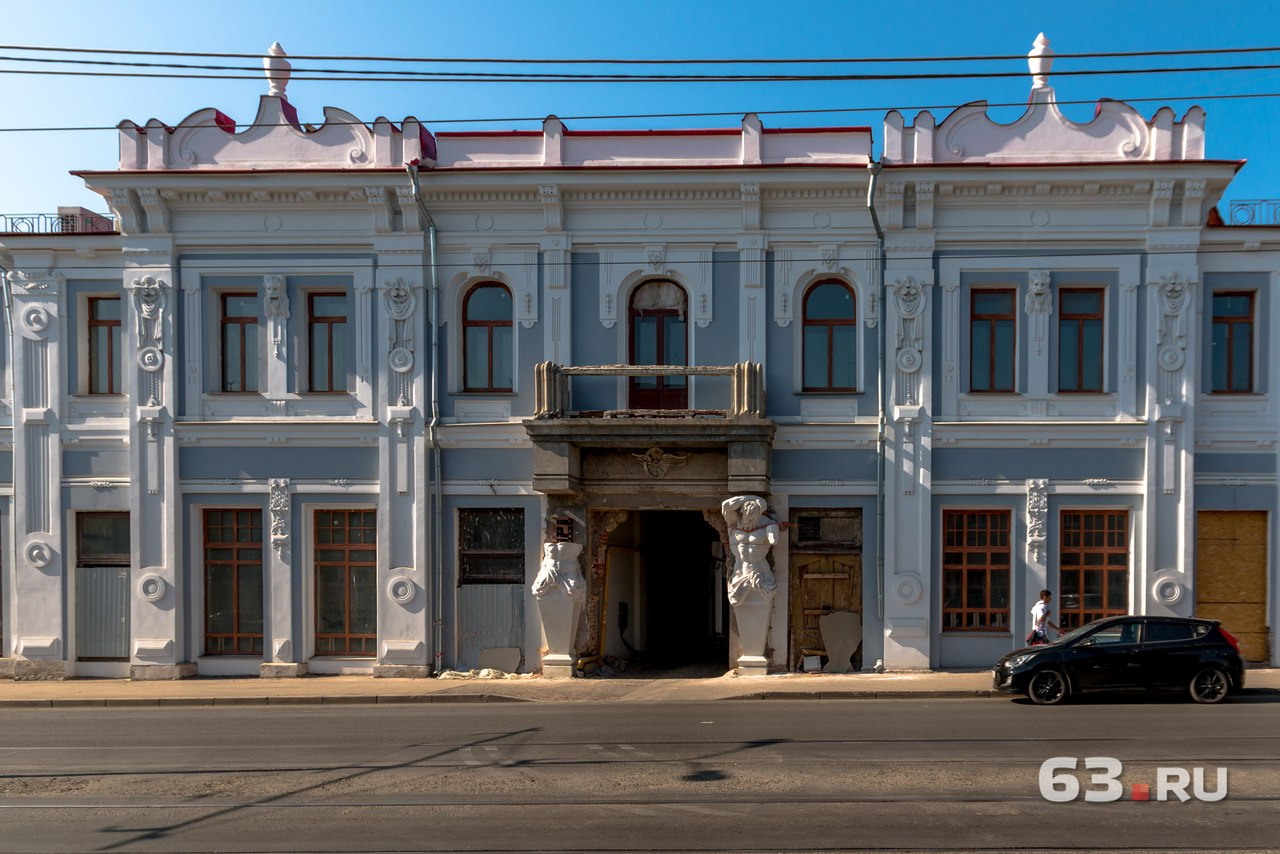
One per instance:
(489,615)
(102,612)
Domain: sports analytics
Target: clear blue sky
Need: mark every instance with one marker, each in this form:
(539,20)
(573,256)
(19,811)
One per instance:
(34,166)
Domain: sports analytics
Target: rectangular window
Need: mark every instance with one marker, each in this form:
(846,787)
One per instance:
(102,539)
(976,560)
(327,337)
(491,546)
(346,558)
(1093,566)
(1080,317)
(104,345)
(1233,343)
(233,582)
(991,340)
(239,319)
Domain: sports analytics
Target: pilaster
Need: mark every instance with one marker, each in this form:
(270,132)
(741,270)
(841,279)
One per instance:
(155,611)
(403,499)
(39,630)
(908,498)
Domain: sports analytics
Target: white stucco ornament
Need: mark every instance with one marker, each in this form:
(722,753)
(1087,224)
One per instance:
(38,553)
(401,360)
(152,587)
(751,584)
(150,359)
(401,589)
(35,322)
(277,69)
(1040,61)
(560,591)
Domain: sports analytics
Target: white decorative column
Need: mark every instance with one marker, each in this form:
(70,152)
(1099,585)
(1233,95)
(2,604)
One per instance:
(39,568)
(560,591)
(155,612)
(403,502)
(1039,310)
(908,489)
(285,659)
(1165,582)
(275,306)
(752,585)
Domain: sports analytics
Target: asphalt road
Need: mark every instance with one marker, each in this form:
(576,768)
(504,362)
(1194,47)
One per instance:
(730,775)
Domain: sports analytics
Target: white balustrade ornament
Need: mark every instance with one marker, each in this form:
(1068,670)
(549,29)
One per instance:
(751,584)
(560,591)
(277,69)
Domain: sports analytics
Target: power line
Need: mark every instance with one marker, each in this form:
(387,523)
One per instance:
(512,77)
(709,114)
(650,61)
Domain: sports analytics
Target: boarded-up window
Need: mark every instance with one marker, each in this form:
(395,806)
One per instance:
(491,546)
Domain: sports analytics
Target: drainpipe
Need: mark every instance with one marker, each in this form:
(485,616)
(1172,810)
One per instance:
(8,323)
(433,423)
(883,388)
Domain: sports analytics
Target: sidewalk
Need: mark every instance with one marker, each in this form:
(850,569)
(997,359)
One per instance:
(316,690)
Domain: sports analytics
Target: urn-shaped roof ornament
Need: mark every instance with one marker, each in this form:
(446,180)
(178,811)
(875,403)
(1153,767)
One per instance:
(277,69)
(1040,61)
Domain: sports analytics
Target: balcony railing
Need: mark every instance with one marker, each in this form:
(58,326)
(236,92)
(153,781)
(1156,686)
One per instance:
(65,221)
(553,397)
(1254,212)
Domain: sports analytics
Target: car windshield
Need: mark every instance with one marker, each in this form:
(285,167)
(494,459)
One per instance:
(1076,634)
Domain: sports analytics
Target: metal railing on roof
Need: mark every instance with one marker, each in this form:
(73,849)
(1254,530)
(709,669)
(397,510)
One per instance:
(68,221)
(1254,212)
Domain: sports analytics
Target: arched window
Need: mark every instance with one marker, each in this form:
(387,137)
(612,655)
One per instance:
(659,336)
(487,358)
(830,338)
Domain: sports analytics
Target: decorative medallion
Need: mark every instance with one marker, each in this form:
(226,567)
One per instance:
(401,360)
(150,359)
(656,463)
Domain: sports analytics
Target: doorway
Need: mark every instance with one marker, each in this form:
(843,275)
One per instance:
(667,608)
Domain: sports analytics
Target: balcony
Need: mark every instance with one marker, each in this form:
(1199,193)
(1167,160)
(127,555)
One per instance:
(69,220)
(613,454)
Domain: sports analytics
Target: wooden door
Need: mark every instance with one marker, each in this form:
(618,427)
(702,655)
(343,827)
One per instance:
(1231,576)
(821,584)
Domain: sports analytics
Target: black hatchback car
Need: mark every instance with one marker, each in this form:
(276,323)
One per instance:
(1123,653)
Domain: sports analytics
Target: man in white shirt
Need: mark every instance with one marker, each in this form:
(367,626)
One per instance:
(1040,622)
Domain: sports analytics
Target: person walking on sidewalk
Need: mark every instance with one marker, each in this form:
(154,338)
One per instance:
(1040,622)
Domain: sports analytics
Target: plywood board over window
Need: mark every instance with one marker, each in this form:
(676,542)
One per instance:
(1231,575)
(826,575)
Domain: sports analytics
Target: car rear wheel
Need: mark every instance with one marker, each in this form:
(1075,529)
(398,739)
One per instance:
(1047,687)
(1210,685)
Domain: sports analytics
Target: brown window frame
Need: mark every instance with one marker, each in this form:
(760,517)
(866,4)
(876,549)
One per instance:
(113,358)
(1073,552)
(1079,319)
(237,638)
(829,324)
(991,319)
(667,392)
(466,556)
(488,326)
(348,640)
(1231,323)
(312,322)
(989,616)
(225,321)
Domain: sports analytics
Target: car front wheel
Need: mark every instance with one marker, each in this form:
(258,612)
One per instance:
(1047,687)
(1210,685)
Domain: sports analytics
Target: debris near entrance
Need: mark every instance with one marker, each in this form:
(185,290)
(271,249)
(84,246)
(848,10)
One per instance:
(484,673)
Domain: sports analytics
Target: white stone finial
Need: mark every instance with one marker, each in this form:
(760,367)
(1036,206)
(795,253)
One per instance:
(276,67)
(1040,61)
